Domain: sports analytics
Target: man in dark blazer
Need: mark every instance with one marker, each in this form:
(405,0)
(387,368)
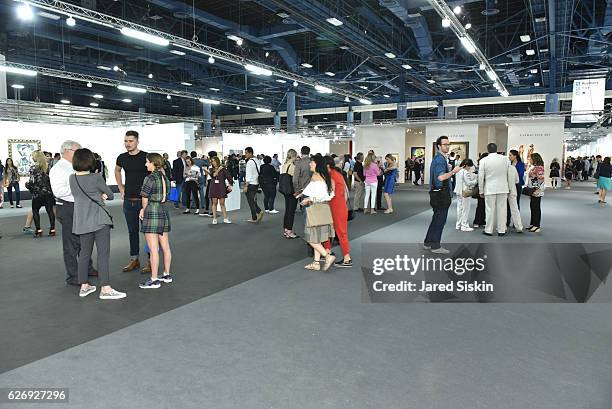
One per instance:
(178,175)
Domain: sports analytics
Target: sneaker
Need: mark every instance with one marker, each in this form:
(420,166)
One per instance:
(113,295)
(343,263)
(440,250)
(214,221)
(204,215)
(227,221)
(166,278)
(1,205)
(186,211)
(150,283)
(273,211)
(28,230)
(85,292)
(467,229)
(12,206)
(19,206)
(267,211)
(197,211)
(426,246)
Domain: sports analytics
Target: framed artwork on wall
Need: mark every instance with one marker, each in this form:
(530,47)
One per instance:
(417,152)
(460,148)
(20,151)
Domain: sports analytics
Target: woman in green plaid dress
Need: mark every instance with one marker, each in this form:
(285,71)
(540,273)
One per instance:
(156,220)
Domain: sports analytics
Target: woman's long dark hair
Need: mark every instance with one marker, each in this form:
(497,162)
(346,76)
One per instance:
(516,155)
(331,163)
(6,165)
(321,169)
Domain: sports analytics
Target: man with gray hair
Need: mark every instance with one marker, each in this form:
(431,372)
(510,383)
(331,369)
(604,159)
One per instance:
(59,175)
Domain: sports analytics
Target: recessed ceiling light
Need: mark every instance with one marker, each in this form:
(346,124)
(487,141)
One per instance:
(530,52)
(431,81)
(330,74)
(65,101)
(126,100)
(334,21)
(525,38)
(93,104)
(187,84)
(407,66)
(306,65)
(98,96)
(457,10)
(214,89)
(177,52)
(390,55)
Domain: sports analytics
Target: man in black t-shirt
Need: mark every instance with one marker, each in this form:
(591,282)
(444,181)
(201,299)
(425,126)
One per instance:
(132,163)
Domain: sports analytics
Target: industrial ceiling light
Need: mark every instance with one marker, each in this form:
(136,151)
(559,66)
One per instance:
(93,104)
(407,66)
(334,21)
(266,110)
(386,96)
(89,85)
(237,108)
(187,84)
(104,68)
(214,89)
(19,71)
(98,96)
(482,67)
(431,81)
(534,71)
(211,60)
(344,47)
(365,101)
(530,52)
(168,97)
(267,54)
(491,74)
(139,35)
(65,101)
(177,52)
(468,44)
(254,69)
(236,39)
(468,26)
(390,55)
(457,10)
(540,19)
(525,38)
(150,76)
(25,12)
(306,65)
(17,86)
(347,99)
(209,101)
(295,83)
(322,89)
(49,15)
(281,81)
(330,74)
(260,98)
(126,100)
(446,22)
(536,84)
(504,94)
(131,89)
(450,91)
(70,21)
(115,68)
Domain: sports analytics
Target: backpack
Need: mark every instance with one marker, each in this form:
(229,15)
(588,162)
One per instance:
(285,183)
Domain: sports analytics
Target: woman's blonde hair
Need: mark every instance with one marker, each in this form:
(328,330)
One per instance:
(291,154)
(371,158)
(215,159)
(41,160)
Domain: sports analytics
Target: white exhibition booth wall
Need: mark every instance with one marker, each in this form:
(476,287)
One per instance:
(383,140)
(265,144)
(602,146)
(106,141)
(458,134)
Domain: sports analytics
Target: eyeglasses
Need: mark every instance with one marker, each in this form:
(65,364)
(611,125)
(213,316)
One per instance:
(445,144)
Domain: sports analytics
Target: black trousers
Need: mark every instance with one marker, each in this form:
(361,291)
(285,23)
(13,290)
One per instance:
(47,201)
(536,211)
(251,196)
(71,244)
(9,191)
(379,192)
(269,196)
(191,190)
(290,207)
(417,176)
(206,199)
(480,216)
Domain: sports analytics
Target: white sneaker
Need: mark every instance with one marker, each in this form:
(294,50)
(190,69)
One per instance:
(457,227)
(227,221)
(87,291)
(273,211)
(197,211)
(467,229)
(440,250)
(267,211)
(214,221)
(112,295)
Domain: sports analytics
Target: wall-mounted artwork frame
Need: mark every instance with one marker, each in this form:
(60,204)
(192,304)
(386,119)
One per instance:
(20,151)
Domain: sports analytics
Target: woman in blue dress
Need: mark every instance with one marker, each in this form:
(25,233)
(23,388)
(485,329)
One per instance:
(390,179)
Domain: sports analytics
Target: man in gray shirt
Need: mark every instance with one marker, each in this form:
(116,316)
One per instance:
(301,174)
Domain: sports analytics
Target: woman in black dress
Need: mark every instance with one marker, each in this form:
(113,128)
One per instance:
(221,182)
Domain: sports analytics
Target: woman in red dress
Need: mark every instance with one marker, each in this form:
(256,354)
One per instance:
(339,211)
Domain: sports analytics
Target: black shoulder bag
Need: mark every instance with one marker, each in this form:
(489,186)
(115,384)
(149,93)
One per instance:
(439,198)
(112,225)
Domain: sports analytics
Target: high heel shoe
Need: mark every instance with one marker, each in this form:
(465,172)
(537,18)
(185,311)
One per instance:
(52,232)
(38,233)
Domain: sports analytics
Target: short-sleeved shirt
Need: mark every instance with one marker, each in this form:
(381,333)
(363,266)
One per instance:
(135,172)
(439,166)
(358,169)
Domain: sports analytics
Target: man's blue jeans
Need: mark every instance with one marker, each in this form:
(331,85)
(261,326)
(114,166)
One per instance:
(131,210)
(434,233)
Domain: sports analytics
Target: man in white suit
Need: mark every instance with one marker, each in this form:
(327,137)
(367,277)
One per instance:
(493,185)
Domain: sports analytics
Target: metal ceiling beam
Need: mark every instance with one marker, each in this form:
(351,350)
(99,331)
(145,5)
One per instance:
(111,22)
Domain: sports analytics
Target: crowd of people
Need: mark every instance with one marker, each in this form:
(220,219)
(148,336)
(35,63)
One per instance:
(328,189)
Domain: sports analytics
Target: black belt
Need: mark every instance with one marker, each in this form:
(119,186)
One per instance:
(62,202)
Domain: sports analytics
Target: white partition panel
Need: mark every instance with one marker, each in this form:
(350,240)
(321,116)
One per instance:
(458,134)
(269,144)
(383,140)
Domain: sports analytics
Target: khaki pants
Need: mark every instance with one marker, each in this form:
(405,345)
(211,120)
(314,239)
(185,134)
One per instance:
(359,195)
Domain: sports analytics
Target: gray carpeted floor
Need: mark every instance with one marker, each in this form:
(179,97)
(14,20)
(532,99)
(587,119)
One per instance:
(298,339)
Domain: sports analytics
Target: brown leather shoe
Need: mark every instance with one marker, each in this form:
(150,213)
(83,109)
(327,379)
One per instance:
(134,264)
(146,269)
(93,273)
